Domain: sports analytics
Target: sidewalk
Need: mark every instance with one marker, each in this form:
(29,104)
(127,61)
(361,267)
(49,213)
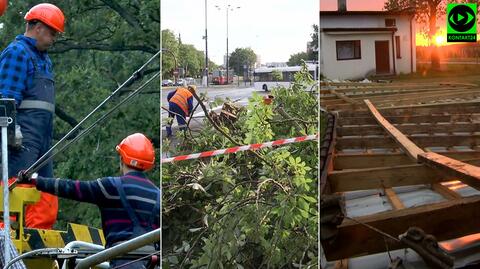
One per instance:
(195,125)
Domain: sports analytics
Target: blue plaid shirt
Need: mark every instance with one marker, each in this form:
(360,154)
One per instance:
(17,68)
(13,253)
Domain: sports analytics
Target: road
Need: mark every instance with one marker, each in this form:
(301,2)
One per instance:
(237,94)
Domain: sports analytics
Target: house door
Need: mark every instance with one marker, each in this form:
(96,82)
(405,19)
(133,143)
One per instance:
(382,61)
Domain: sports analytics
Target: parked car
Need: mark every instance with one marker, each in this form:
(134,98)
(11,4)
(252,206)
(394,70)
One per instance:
(180,82)
(190,81)
(167,82)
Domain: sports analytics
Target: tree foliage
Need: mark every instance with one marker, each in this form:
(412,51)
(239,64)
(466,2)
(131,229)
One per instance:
(187,56)
(313,44)
(104,43)
(191,60)
(241,57)
(247,210)
(312,50)
(170,56)
(297,58)
(426,14)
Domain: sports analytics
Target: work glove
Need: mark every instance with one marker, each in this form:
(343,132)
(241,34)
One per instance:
(23,177)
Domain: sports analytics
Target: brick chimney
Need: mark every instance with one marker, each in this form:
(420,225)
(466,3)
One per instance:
(342,5)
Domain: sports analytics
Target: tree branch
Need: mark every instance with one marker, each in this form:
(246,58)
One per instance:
(64,47)
(288,117)
(129,18)
(142,75)
(220,129)
(65,117)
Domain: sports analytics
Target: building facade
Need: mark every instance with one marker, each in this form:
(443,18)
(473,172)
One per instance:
(361,44)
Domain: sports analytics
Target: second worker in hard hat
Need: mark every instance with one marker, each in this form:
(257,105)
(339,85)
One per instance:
(180,104)
(26,75)
(129,204)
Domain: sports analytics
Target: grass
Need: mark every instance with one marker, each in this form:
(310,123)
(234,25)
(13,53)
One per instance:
(461,73)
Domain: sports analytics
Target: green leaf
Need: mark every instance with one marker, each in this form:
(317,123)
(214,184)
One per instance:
(309,198)
(303,204)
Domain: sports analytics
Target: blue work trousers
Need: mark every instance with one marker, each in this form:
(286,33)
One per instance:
(181,117)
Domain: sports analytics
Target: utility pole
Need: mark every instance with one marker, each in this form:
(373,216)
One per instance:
(206,45)
(227,43)
(231,9)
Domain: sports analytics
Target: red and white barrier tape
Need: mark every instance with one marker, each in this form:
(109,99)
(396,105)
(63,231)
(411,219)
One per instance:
(240,148)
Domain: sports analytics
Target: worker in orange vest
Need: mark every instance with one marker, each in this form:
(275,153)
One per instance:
(26,75)
(180,103)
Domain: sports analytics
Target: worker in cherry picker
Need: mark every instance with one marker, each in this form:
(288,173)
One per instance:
(129,204)
(26,75)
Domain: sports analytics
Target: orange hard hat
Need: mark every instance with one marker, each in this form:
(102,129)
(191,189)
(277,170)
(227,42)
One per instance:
(49,14)
(137,151)
(3,6)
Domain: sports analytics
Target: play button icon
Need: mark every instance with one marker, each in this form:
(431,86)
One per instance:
(461,18)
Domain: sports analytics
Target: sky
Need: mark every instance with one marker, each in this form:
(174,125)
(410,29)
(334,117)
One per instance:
(353,5)
(274,29)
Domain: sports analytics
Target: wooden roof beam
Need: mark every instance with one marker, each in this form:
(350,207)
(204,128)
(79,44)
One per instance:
(467,173)
(444,220)
(364,161)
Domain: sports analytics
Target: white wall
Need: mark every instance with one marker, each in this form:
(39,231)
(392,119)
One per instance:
(355,69)
(403,64)
(351,21)
(351,69)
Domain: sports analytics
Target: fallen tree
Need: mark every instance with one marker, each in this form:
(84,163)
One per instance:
(248,209)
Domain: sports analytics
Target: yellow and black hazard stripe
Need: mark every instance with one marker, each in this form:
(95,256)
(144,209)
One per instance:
(77,232)
(38,238)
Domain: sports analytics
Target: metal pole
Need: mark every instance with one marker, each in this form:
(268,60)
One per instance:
(84,245)
(206,44)
(6,211)
(50,251)
(227,43)
(108,254)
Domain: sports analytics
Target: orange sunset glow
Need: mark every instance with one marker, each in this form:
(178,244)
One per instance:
(440,39)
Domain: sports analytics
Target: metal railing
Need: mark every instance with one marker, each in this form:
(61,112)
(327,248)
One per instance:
(85,245)
(125,247)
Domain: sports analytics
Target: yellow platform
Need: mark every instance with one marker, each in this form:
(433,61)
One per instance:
(27,239)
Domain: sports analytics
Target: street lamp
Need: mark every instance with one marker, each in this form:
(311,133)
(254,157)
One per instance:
(228,7)
(206,46)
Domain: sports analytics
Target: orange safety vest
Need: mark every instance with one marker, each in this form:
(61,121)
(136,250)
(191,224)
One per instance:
(42,214)
(180,98)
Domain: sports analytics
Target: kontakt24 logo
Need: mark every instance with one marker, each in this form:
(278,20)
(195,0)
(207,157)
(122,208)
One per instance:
(462,22)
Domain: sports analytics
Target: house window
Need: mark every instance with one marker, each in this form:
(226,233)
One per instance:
(348,50)
(397,47)
(390,22)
